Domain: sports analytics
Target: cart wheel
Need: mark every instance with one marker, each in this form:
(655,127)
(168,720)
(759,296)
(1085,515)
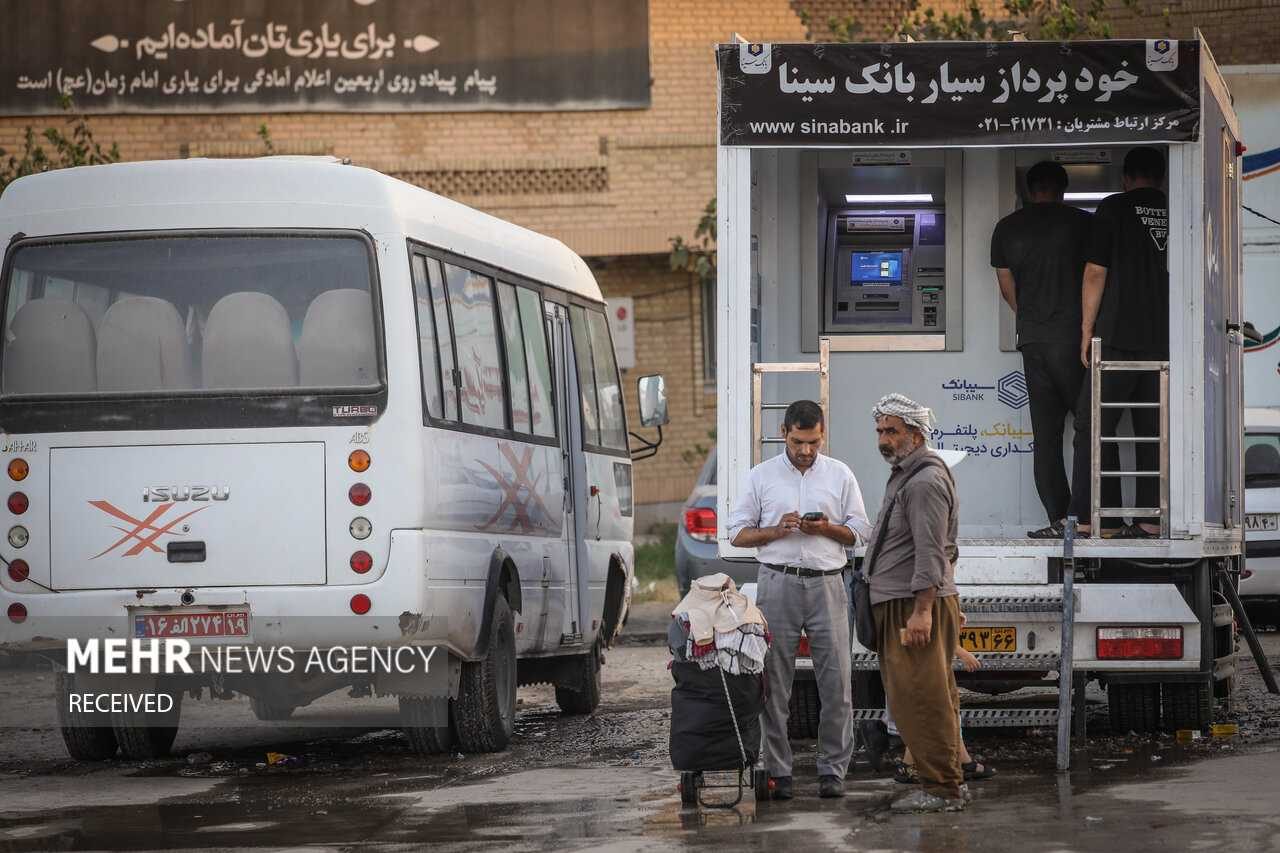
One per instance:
(761,780)
(690,781)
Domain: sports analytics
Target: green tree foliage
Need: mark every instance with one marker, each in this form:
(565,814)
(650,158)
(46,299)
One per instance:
(699,256)
(1051,20)
(72,144)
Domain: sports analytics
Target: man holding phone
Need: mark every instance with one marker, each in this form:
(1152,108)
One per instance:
(801,510)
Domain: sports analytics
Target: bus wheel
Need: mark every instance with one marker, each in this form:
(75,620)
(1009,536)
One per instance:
(144,736)
(1134,708)
(581,693)
(84,741)
(266,711)
(485,711)
(421,726)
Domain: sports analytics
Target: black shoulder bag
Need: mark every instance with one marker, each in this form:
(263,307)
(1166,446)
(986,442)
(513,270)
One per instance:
(864,621)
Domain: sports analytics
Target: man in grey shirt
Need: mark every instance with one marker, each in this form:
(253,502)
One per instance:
(913,595)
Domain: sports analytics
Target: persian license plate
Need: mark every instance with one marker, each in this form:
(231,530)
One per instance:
(1262,521)
(192,623)
(985,638)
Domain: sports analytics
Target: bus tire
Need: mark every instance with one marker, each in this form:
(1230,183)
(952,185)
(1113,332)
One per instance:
(1134,708)
(420,727)
(802,721)
(485,711)
(84,742)
(140,738)
(1186,706)
(581,694)
(267,711)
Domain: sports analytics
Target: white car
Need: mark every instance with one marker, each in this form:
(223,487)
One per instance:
(1260,581)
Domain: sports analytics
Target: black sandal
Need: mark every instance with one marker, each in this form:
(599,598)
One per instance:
(1134,531)
(972,773)
(905,774)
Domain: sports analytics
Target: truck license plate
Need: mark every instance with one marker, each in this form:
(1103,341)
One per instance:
(196,623)
(984,638)
(1262,521)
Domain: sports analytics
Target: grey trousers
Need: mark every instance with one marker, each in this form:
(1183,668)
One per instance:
(820,606)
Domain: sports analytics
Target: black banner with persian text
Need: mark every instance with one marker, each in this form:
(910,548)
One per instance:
(959,93)
(180,56)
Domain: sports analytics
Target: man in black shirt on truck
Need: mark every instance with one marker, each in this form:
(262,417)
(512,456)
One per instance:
(1039,256)
(1125,300)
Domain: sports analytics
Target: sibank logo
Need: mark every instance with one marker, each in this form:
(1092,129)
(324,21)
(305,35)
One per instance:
(1011,390)
(755,58)
(1162,54)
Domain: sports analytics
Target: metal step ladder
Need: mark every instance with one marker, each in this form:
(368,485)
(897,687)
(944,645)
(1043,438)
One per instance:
(759,406)
(1097,367)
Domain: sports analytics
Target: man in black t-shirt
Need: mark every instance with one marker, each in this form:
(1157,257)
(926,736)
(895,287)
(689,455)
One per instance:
(1039,255)
(1125,302)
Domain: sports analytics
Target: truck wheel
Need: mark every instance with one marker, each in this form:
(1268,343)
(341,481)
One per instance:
(84,741)
(802,721)
(1186,706)
(581,694)
(267,711)
(485,711)
(1134,708)
(421,726)
(138,734)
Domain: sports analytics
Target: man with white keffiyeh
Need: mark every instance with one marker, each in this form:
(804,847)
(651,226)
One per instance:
(911,568)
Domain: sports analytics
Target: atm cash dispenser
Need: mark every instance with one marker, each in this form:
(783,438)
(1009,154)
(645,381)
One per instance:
(886,271)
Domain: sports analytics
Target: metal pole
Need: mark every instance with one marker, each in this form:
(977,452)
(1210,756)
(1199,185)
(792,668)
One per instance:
(1095,437)
(1066,680)
(1246,627)
(757,439)
(1164,452)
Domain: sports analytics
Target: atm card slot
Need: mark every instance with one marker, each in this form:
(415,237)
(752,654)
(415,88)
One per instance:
(877,306)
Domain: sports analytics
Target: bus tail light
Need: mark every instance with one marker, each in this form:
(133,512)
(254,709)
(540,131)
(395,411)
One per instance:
(18,470)
(19,571)
(359,461)
(17,613)
(360,494)
(18,503)
(360,604)
(361,562)
(1140,642)
(700,523)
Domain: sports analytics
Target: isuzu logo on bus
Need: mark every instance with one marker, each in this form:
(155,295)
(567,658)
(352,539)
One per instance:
(165,494)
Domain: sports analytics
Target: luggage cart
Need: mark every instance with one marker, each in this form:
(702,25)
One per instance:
(751,774)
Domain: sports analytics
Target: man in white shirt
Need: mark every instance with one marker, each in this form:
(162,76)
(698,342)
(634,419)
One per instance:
(801,510)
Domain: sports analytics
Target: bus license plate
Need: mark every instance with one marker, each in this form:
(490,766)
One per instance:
(1262,521)
(984,638)
(199,623)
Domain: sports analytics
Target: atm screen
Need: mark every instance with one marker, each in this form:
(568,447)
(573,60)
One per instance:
(872,267)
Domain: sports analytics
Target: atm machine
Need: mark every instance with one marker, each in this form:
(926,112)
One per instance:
(886,271)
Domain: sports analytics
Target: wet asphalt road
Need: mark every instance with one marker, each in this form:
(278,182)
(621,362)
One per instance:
(603,782)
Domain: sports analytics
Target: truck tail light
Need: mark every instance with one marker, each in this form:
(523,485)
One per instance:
(700,523)
(802,648)
(1140,642)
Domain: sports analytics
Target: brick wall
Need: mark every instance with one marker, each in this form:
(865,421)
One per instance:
(668,312)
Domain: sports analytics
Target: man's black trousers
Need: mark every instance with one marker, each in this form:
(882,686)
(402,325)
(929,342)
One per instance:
(1054,376)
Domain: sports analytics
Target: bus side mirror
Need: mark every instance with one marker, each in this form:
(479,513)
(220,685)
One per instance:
(653,400)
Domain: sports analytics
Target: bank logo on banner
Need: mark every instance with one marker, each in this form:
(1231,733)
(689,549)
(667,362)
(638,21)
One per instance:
(1011,389)
(1162,54)
(755,58)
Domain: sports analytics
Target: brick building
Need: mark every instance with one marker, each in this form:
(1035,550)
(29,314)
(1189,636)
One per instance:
(616,185)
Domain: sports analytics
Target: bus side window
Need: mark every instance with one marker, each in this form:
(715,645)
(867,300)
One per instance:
(613,430)
(475,325)
(538,356)
(440,308)
(586,375)
(517,373)
(428,352)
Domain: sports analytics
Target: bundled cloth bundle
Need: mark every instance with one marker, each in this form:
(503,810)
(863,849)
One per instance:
(718,640)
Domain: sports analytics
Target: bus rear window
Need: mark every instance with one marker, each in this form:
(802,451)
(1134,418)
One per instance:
(190,313)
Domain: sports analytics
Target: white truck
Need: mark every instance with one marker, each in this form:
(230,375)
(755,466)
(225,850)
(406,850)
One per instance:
(289,403)
(858,186)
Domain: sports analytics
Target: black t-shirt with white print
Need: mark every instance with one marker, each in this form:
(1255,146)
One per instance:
(1131,238)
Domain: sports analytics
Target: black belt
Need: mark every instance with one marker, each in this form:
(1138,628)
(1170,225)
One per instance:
(802,572)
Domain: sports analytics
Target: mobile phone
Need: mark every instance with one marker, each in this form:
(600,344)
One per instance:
(812,516)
